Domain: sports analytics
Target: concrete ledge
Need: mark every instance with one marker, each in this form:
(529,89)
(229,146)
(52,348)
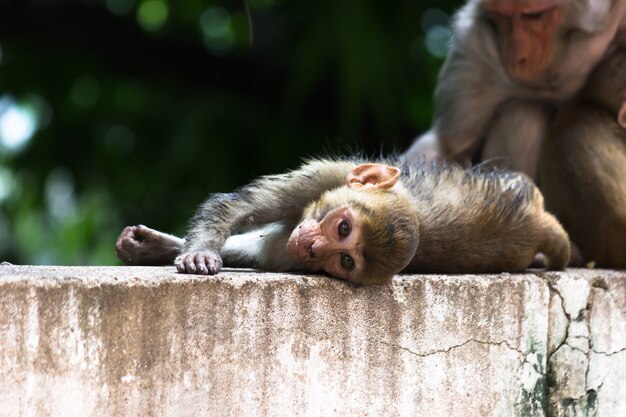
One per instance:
(117,341)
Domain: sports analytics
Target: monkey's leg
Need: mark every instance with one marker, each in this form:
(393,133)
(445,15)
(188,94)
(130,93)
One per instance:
(515,137)
(140,245)
(583,179)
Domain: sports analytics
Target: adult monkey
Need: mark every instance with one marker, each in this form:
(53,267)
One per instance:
(511,62)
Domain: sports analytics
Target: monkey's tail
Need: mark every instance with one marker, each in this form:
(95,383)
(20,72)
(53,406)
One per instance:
(555,245)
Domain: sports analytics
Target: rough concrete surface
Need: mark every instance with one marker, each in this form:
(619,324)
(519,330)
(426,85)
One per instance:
(133,341)
(587,344)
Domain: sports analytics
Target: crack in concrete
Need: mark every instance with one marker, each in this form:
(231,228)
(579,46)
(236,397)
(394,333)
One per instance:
(608,354)
(460,345)
(553,288)
(587,316)
(582,315)
(574,348)
(590,393)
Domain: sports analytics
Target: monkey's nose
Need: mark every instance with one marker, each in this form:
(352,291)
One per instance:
(311,253)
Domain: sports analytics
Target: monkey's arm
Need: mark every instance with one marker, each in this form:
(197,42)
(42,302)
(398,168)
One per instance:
(469,89)
(269,199)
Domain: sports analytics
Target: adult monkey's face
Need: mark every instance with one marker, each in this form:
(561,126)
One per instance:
(530,38)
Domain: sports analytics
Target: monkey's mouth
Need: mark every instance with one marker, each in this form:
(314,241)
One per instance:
(300,249)
(305,252)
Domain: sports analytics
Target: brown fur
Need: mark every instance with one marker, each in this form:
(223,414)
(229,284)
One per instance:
(583,177)
(473,221)
(437,218)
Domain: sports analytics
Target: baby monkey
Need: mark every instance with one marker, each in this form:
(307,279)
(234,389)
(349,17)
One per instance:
(363,222)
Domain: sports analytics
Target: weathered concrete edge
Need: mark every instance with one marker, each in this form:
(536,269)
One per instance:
(155,275)
(581,303)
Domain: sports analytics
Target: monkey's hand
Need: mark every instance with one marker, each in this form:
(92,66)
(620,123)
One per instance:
(141,245)
(205,262)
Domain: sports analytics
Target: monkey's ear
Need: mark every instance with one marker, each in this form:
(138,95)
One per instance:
(373,176)
(621,116)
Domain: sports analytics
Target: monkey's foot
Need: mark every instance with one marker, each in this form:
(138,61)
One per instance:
(140,245)
(202,262)
(576,259)
(539,261)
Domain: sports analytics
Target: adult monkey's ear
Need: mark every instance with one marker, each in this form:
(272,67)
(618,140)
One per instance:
(377,176)
(621,116)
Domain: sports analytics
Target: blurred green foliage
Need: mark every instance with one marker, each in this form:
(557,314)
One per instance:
(116,112)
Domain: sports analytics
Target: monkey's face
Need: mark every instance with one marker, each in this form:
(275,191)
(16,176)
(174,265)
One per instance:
(362,236)
(332,243)
(530,38)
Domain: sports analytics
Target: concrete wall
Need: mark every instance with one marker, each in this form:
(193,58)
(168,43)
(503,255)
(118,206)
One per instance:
(131,341)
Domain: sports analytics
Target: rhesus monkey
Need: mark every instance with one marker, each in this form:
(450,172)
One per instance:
(363,222)
(582,170)
(510,64)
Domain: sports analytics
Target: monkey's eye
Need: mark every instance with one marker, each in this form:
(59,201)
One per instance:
(347,262)
(344,229)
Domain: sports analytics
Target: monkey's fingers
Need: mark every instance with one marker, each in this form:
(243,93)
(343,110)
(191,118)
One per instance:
(185,264)
(127,245)
(143,232)
(178,262)
(203,263)
(213,264)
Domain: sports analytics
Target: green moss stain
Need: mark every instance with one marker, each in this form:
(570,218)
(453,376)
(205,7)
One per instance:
(533,402)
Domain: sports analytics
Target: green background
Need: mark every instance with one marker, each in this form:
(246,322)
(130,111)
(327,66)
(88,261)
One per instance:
(121,112)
